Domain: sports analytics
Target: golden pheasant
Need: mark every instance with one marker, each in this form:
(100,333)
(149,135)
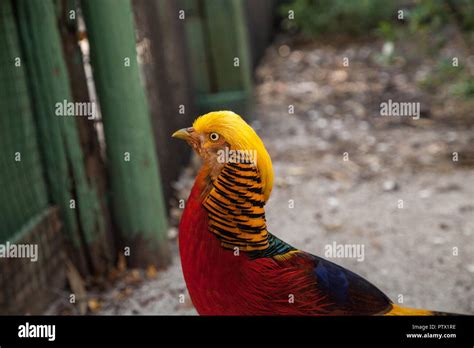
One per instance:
(232,264)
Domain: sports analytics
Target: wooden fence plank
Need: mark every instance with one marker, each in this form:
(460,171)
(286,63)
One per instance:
(137,200)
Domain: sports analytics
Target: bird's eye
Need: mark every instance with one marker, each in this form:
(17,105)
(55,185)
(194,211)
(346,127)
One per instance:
(214,136)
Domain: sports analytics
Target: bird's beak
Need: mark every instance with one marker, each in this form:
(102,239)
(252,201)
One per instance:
(183,133)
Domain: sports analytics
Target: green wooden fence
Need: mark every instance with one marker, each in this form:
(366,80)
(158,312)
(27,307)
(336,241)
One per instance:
(26,215)
(217,36)
(22,181)
(64,162)
(48,196)
(137,198)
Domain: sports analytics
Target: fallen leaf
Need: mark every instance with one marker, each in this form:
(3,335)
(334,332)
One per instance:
(121,263)
(151,272)
(94,305)
(133,277)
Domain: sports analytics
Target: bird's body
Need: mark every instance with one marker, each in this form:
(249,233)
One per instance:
(232,265)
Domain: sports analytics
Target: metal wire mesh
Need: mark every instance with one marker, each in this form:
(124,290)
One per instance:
(23,190)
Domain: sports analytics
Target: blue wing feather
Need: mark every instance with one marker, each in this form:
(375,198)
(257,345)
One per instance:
(348,292)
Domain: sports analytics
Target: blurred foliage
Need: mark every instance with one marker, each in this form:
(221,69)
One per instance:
(464,88)
(355,17)
(316,17)
(443,73)
(387,31)
(428,15)
(428,19)
(457,78)
(466,7)
(433,14)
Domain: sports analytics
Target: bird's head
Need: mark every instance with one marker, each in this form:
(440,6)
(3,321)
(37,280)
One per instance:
(215,134)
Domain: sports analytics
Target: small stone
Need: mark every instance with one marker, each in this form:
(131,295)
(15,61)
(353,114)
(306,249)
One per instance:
(345,135)
(371,140)
(363,125)
(443,226)
(296,171)
(387,49)
(424,194)
(466,208)
(330,109)
(451,137)
(448,188)
(172,233)
(438,240)
(337,124)
(321,123)
(322,145)
(382,147)
(390,185)
(314,115)
(284,51)
(332,227)
(333,202)
(338,76)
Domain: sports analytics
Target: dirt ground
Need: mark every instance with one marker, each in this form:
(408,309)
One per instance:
(346,168)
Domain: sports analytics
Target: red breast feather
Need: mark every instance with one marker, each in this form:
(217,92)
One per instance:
(221,283)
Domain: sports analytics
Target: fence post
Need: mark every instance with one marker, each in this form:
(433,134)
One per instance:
(137,201)
(167,75)
(219,49)
(93,162)
(62,153)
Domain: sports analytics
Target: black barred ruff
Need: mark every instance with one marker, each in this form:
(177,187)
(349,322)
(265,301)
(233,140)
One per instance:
(236,211)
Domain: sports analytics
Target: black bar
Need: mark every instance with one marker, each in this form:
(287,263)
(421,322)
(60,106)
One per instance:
(286,330)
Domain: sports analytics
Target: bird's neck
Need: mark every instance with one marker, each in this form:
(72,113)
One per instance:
(194,226)
(203,259)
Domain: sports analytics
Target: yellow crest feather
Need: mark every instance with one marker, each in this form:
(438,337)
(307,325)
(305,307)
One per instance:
(240,136)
